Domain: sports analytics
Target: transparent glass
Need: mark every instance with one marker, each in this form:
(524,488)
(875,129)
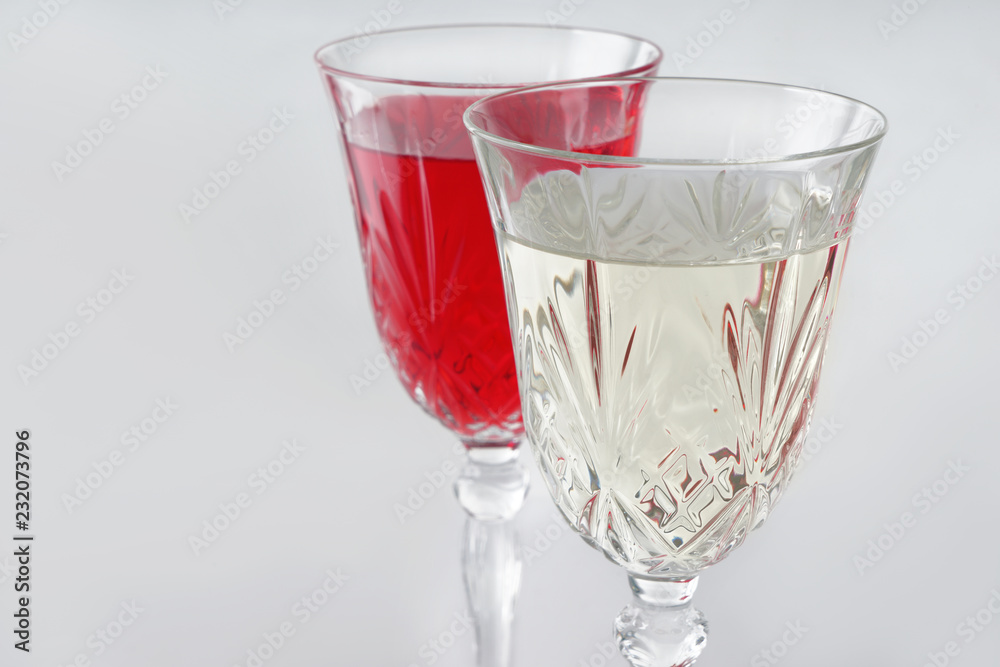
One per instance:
(492,488)
(430,260)
(670,308)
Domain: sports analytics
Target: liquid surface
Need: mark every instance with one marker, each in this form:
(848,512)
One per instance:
(667,405)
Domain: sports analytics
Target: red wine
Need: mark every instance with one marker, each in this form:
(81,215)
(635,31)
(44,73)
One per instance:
(436,288)
(432,266)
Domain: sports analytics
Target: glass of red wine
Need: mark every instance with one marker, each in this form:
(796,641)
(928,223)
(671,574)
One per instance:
(427,243)
(428,247)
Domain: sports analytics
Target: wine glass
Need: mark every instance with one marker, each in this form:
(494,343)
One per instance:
(670,309)
(429,255)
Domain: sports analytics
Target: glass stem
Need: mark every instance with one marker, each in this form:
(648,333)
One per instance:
(492,569)
(663,592)
(491,489)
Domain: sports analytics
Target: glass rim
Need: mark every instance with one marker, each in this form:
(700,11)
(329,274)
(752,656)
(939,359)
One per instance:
(317,56)
(619,160)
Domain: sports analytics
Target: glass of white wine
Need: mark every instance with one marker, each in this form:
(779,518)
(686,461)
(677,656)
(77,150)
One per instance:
(670,306)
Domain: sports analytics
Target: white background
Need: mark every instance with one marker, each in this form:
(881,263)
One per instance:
(896,430)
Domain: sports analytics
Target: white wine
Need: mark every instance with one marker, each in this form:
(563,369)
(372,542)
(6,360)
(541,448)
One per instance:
(667,403)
